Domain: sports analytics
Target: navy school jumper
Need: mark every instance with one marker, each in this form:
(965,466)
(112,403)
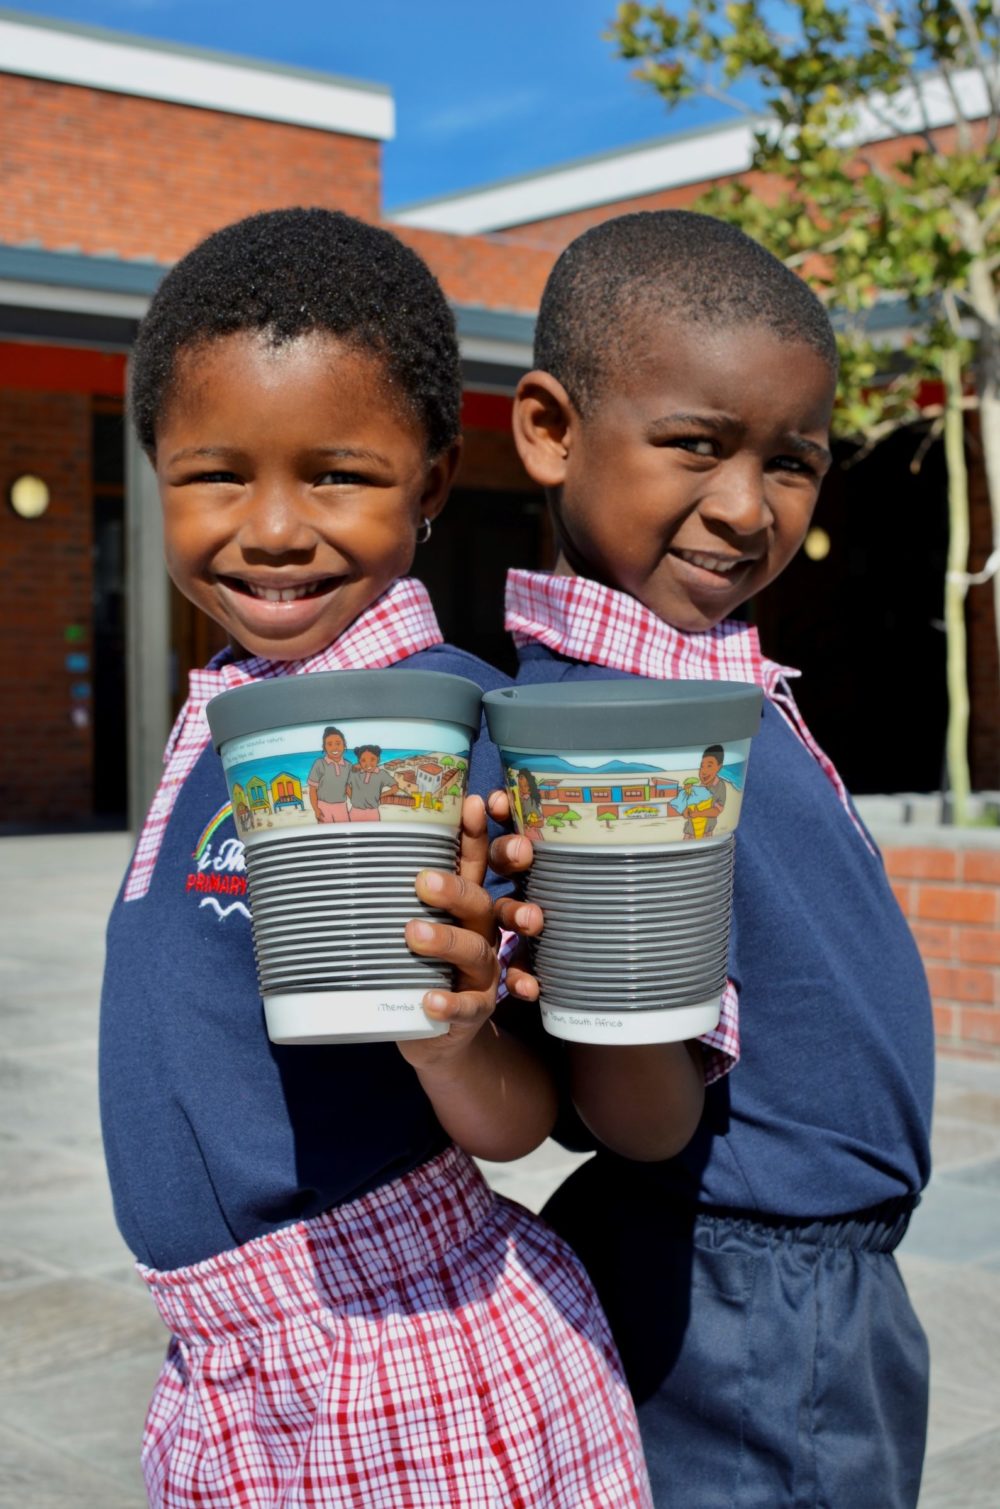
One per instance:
(214,1135)
(763,1323)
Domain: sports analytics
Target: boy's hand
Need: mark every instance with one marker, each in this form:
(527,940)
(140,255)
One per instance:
(469,947)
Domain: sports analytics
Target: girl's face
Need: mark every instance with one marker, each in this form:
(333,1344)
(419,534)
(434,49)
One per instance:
(292,484)
(333,747)
(367,761)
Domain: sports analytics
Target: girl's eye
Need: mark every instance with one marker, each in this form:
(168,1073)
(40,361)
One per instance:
(216,477)
(339,479)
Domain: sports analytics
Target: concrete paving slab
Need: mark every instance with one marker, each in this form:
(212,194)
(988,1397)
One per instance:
(967,1478)
(37,1475)
(52,1330)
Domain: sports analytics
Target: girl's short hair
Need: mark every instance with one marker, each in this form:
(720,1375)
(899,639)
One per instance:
(288,273)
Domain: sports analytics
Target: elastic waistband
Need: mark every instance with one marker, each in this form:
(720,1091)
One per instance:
(368,1245)
(878,1229)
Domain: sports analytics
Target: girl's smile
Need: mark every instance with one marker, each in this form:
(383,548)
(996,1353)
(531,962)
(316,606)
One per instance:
(293,481)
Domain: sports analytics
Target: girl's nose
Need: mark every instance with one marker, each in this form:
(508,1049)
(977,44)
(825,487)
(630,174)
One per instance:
(275,522)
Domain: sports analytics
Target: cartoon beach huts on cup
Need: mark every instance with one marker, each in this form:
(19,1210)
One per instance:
(335,775)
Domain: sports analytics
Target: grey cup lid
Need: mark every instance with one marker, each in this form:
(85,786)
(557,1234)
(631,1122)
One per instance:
(637,713)
(326,696)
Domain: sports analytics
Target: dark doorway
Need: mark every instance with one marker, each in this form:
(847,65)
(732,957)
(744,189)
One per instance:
(110,794)
(478,537)
(864,623)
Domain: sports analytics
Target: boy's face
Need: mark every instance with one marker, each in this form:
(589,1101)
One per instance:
(708,770)
(292,486)
(691,483)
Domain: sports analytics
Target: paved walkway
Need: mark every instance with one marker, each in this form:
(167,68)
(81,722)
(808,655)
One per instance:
(80,1344)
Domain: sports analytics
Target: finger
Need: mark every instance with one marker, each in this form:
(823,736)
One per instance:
(522,984)
(474,847)
(467,952)
(498,806)
(469,1008)
(511,855)
(468,903)
(522,917)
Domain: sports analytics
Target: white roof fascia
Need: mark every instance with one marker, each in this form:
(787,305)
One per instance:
(502,353)
(128,306)
(124,65)
(687,158)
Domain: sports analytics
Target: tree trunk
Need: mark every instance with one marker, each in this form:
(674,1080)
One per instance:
(955,589)
(989,425)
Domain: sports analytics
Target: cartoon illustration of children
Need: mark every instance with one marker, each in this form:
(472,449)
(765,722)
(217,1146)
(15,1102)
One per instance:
(702,816)
(368,780)
(328,780)
(527,803)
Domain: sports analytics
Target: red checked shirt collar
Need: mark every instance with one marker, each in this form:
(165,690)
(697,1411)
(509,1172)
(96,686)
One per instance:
(398,624)
(586,621)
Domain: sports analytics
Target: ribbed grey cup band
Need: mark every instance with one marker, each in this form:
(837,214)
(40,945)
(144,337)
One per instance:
(633,931)
(329,914)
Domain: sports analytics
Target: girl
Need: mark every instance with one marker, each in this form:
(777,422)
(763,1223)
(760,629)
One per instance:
(356,1319)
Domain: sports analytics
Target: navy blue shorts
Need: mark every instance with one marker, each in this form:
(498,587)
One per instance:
(775,1365)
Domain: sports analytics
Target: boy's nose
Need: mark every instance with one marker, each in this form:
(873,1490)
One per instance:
(275,522)
(738,500)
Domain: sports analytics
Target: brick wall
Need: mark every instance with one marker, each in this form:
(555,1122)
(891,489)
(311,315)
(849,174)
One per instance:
(45,762)
(950,895)
(113,174)
(490,270)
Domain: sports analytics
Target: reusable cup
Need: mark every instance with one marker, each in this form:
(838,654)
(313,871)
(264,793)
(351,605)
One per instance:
(630,792)
(344,785)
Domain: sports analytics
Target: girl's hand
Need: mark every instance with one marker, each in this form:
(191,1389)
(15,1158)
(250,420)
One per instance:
(470,947)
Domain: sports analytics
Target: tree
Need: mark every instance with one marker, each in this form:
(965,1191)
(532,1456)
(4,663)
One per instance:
(864,217)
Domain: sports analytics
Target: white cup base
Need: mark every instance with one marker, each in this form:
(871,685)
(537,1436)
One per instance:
(349,1016)
(670,1024)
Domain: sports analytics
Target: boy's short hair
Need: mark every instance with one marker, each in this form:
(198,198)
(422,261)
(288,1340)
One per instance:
(715,752)
(288,273)
(691,268)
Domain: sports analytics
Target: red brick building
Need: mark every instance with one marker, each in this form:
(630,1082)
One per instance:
(116,156)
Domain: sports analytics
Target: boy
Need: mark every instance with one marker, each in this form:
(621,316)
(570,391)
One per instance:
(678,421)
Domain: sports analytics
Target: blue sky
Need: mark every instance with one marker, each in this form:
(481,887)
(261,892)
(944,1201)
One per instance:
(484,89)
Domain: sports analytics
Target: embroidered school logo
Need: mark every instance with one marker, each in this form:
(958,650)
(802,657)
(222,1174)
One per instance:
(218,879)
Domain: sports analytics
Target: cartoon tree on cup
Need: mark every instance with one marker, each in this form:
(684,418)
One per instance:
(608,819)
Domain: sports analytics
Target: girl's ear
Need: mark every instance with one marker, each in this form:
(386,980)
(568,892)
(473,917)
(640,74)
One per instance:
(440,476)
(544,419)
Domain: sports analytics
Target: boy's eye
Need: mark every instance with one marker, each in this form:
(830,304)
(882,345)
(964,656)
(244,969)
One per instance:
(696,445)
(216,477)
(793,464)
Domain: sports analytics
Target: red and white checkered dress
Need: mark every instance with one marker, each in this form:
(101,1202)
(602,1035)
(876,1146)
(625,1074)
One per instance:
(428,1345)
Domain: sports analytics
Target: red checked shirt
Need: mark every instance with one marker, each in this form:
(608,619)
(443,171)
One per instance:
(398,624)
(588,622)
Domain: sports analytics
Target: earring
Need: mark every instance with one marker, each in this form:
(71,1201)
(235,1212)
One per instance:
(423,531)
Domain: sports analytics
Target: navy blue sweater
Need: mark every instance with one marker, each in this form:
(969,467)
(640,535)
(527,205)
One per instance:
(829,1109)
(214,1135)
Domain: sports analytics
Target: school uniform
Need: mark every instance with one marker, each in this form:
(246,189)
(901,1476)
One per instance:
(764,1326)
(355,1318)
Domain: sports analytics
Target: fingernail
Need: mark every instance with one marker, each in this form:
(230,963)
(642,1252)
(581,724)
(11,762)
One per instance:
(432,881)
(435,1001)
(422,931)
(524,916)
(526,989)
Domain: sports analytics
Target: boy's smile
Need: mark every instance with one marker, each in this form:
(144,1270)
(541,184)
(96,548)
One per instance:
(292,483)
(691,482)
